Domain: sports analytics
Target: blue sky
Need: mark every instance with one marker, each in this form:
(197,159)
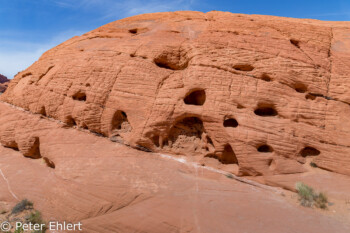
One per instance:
(30,27)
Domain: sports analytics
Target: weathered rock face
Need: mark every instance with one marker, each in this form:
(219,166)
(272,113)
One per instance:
(3,79)
(73,175)
(3,83)
(258,94)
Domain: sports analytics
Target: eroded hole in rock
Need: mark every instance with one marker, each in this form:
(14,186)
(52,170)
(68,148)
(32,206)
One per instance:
(197,97)
(230,123)
(187,135)
(80,96)
(265,110)
(209,145)
(173,59)
(228,155)
(70,121)
(239,106)
(34,150)
(43,111)
(265,149)
(133,31)
(49,163)
(295,43)
(120,123)
(266,77)
(310,97)
(84,126)
(26,74)
(87,85)
(299,87)
(155,140)
(12,145)
(243,67)
(309,151)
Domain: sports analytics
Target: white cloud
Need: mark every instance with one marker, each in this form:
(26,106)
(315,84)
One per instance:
(16,56)
(120,9)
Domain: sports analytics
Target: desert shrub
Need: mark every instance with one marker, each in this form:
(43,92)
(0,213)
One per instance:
(19,230)
(306,194)
(35,218)
(321,201)
(309,198)
(228,175)
(22,205)
(312,164)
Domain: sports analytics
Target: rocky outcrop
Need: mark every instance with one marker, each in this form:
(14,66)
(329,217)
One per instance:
(3,83)
(3,79)
(254,95)
(109,187)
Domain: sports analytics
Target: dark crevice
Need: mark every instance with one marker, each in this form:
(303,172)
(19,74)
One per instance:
(310,96)
(243,67)
(295,43)
(301,88)
(70,121)
(266,77)
(265,149)
(313,96)
(34,150)
(133,31)
(230,123)
(155,140)
(49,163)
(265,110)
(80,96)
(309,151)
(228,155)
(197,97)
(43,111)
(119,126)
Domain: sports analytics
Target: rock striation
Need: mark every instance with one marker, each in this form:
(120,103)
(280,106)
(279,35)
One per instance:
(255,95)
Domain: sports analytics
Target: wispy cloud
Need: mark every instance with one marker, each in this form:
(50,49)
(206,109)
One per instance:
(124,8)
(16,56)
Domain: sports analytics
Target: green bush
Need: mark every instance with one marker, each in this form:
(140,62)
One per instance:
(35,218)
(19,230)
(309,198)
(22,205)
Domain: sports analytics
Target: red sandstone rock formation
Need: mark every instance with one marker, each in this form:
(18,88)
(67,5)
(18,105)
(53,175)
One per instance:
(3,83)
(112,188)
(256,96)
(260,94)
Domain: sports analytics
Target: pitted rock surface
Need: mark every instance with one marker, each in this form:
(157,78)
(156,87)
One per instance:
(259,94)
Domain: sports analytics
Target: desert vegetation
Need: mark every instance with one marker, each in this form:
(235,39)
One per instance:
(310,198)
